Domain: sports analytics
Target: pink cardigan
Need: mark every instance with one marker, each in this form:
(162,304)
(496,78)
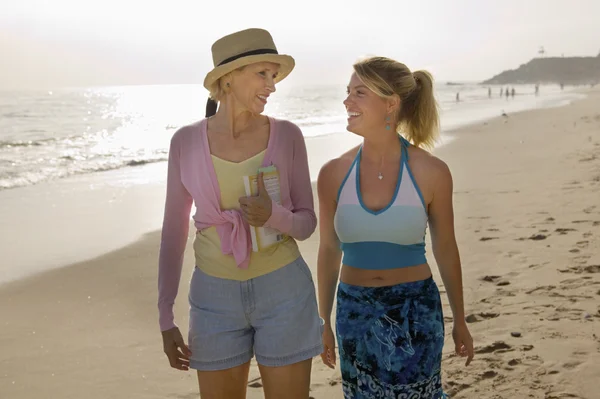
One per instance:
(191,178)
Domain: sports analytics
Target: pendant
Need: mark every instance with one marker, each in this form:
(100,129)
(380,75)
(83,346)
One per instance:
(380,176)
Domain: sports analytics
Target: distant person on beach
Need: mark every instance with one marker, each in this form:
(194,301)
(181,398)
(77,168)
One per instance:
(457,97)
(512,92)
(242,302)
(507,93)
(501,91)
(537,89)
(375,203)
(489,92)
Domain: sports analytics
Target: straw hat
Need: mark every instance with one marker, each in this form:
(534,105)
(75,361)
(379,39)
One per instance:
(243,48)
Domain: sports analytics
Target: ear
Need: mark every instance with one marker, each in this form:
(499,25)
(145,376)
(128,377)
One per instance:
(226,82)
(393,104)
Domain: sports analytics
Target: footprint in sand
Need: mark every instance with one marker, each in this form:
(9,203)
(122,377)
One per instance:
(488,238)
(563,231)
(490,279)
(592,269)
(534,237)
(537,309)
(561,395)
(588,159)
(496,347)
(593,222)
(454,388)
(572,365)
(477,317)
(581,259)
(589,209)
(489,374)
(541,288)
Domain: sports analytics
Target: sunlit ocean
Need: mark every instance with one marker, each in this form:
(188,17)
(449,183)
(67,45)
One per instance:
(54,134)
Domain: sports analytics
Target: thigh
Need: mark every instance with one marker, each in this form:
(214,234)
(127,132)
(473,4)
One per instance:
(290,382)
(224,384)
(286,319)
(220,337)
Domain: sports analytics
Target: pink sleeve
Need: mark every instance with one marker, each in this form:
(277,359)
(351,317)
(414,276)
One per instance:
(175,231)
(301,221)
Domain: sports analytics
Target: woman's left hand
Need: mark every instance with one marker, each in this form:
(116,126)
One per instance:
(463,342)
(257,210)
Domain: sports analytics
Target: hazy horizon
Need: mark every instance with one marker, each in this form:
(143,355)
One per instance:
(124,42)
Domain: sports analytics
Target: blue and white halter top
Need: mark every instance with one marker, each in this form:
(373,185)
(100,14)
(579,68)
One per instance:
(390,238)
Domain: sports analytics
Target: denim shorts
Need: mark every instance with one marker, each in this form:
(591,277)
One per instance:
(273,317)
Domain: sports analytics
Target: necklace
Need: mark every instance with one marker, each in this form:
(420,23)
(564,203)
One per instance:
(380,175)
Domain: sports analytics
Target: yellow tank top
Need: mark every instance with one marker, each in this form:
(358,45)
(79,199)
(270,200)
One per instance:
(207,245)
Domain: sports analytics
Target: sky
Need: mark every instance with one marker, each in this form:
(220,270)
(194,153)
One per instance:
(58,43)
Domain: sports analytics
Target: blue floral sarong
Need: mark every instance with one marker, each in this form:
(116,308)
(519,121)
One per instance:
(390,340)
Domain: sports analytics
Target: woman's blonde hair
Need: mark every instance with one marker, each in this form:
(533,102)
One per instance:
(417,116)
(217,90)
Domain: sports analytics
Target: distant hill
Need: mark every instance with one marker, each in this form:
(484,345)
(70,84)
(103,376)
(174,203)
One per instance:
(567,70)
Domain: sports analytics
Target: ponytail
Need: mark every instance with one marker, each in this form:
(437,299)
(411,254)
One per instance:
(419,117)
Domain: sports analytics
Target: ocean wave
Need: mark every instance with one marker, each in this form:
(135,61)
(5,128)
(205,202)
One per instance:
(19,115)
(26,143)
(14,179)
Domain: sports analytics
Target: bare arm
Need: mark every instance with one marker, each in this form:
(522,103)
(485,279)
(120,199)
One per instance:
(330,255)
(445,249)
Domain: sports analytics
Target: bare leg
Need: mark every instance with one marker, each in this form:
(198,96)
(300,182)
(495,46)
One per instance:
(224,384)
(290,382)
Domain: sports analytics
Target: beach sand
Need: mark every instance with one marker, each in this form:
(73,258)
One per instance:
(527,204)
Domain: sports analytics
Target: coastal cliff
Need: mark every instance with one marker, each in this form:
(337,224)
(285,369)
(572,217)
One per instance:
(567,70)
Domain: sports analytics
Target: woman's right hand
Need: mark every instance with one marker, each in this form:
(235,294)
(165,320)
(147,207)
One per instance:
(328,355)
(176,350)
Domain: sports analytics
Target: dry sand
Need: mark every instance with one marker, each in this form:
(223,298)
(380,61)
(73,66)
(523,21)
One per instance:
(527,201)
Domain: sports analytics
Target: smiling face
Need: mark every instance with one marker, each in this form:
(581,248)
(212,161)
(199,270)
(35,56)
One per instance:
(251,86)
(366,110)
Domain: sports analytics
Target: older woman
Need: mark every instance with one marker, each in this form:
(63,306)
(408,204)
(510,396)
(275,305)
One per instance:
(243,302)
(375,204)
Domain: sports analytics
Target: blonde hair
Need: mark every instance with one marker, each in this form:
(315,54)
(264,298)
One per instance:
(418,116)
(216,90)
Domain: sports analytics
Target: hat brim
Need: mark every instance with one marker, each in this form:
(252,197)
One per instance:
(285,62)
